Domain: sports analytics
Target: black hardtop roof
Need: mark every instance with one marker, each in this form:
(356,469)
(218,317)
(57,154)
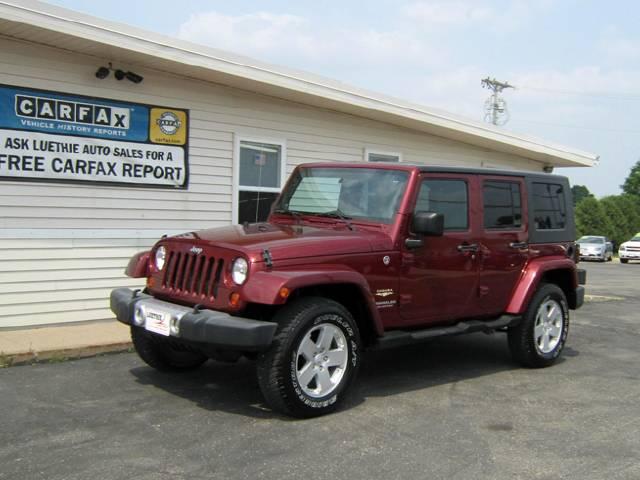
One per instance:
(488,171)
(439,169)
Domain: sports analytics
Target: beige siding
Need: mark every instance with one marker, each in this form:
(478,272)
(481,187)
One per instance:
(63,247)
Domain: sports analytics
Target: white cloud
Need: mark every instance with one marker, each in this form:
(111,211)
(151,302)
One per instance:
(460,13)
(448,13)
(296,41)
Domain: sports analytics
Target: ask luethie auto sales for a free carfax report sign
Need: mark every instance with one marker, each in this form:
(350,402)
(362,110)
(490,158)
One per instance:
(51,136)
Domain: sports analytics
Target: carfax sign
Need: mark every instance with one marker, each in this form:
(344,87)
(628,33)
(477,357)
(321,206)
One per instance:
(49,136)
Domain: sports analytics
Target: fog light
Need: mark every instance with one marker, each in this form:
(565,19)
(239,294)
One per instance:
(234,299)
(174,326)
(138,316)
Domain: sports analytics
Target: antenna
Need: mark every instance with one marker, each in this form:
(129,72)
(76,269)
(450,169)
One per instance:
(495,107)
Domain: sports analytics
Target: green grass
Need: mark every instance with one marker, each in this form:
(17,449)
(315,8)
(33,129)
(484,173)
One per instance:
(5,360)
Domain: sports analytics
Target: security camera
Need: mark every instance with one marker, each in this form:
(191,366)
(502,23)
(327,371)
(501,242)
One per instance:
(102,73)
(134,77)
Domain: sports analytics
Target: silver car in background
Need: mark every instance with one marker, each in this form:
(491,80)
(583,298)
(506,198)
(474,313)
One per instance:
(593,247)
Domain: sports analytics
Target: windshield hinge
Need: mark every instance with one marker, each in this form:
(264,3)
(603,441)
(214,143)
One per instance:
(266,256)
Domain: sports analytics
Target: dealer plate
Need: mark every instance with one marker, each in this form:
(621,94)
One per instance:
(157,321)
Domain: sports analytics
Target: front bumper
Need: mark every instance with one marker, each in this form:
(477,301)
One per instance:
(592,255)
(629,255)
(203,326)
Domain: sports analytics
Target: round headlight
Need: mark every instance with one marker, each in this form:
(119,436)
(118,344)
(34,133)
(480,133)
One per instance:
(239,270)
(161,256)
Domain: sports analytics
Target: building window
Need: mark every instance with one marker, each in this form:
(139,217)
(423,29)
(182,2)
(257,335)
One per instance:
(502,205)
(259,177)
(549,207)
(376,156)
(448,197)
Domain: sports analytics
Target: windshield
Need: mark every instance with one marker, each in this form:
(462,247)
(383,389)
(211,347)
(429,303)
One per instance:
(635,239)
(599,240)
(353,193)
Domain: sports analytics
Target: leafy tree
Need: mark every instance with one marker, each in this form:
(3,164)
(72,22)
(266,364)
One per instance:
(591,218)
(580,192)
(620,226)
(631,185)
(630,206)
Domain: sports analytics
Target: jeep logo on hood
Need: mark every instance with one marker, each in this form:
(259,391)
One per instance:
(196,250)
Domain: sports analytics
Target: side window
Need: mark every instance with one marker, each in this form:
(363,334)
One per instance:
(502,205)
(549,207)
(448,197)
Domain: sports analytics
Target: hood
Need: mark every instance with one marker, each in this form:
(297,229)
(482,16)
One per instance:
(290,241)
(631,243)
(591,245)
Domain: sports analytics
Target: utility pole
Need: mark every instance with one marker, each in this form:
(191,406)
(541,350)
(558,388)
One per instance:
(495,107)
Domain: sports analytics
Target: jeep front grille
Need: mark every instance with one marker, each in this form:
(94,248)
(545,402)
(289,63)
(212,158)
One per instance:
(191,274)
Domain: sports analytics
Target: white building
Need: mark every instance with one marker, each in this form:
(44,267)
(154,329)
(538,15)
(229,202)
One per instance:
(214,130)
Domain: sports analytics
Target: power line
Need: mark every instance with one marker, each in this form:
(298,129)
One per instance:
(595,129)
(613,96)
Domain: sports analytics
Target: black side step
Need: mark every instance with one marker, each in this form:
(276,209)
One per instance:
(396,338)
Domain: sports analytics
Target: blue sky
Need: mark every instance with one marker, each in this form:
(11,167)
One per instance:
(576,63)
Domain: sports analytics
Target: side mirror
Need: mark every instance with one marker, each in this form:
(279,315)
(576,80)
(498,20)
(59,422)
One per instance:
(430,224)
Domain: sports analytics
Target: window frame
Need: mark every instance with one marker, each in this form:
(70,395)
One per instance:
(236,187)
(523,219)
(375,151)
(533,209)
(468,190)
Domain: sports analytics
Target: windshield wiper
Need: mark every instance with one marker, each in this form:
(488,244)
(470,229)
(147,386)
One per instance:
(337,213)
(294,213)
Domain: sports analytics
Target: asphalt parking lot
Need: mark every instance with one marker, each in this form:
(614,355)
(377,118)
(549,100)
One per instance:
(455,408)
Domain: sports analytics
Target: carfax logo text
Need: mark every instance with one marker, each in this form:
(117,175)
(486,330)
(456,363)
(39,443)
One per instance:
(44,108)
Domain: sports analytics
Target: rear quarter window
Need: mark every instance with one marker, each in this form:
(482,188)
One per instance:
(549,206)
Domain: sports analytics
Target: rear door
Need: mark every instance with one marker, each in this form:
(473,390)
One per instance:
(504,241)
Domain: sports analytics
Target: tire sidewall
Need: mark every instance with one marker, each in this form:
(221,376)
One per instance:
(346,324)
(558,297)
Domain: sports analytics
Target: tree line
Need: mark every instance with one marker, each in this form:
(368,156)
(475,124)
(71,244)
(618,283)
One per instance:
(614,216)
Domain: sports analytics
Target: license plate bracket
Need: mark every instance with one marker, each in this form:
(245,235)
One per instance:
(157,321)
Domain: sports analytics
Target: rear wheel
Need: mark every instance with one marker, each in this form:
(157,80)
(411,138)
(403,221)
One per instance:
(159,354)
(539,338)
(313,360)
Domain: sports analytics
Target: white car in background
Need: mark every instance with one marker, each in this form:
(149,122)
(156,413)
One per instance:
(630,250)
(593,247)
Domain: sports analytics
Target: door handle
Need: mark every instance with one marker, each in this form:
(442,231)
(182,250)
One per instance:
(519,245)
(467,247)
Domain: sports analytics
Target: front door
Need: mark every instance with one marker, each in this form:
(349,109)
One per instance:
(439,280)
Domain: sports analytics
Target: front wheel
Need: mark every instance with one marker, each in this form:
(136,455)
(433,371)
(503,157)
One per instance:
(539,338)
(313,360)
(624,260)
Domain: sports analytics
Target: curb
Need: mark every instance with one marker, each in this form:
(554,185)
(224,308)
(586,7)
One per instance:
(61,355)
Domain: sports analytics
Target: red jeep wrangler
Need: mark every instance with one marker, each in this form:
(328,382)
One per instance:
(360,256)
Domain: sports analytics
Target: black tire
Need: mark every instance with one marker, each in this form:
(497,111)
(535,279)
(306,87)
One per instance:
(159,354)
(278,367)
(624,260)
(522,338)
